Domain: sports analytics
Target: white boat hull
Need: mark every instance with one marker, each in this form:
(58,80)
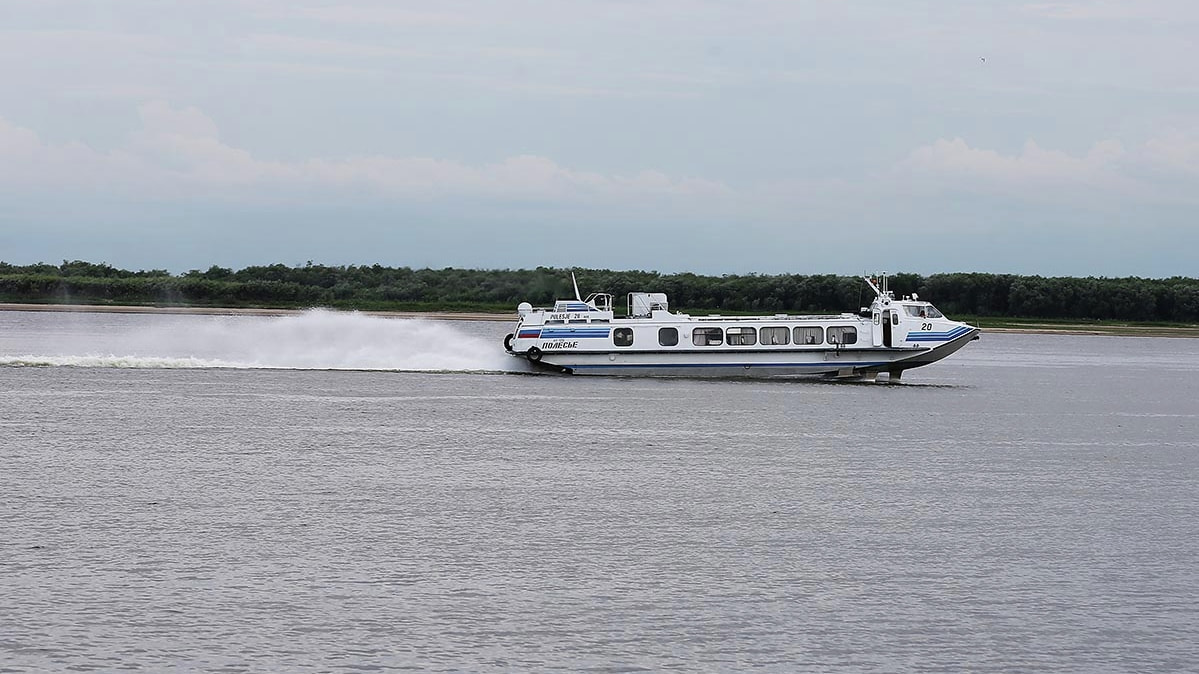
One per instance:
(846,362)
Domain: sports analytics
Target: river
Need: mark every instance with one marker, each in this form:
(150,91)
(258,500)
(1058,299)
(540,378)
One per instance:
(339,492)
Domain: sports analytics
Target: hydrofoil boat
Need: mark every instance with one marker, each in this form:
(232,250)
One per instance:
(585,337)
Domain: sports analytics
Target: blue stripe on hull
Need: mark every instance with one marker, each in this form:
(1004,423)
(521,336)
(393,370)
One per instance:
(575,334)
(938,336)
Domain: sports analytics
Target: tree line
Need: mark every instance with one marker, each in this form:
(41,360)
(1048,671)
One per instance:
(401,288)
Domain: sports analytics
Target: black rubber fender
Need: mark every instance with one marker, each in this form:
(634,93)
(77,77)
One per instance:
(533,354)
(508,342)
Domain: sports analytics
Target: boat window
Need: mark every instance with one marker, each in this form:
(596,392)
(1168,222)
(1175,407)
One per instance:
(622,336)
(707,336)
(842,334)
(894,318)
(809,336)
(668,336)
(773,336)
(741,336)
(922,311)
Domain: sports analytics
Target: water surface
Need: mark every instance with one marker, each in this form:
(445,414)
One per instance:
(334,492)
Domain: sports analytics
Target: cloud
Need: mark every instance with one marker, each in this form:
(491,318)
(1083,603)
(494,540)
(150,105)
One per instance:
(290,45)
(1032,165)
(1108,10)
(28,164)
(81,41)
(382,16)
(17,142)
(1160,170)
(178,153)
(159,118)
(1175,152)
(534,70)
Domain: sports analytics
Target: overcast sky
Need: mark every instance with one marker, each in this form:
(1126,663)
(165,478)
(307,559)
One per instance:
(804,136)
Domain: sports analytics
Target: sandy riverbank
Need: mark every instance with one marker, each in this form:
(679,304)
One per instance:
(1030,329)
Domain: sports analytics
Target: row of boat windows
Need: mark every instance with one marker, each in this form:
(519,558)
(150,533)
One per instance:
(745,336)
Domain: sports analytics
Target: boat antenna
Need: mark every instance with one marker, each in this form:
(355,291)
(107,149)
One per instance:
(875,287)
(576,285)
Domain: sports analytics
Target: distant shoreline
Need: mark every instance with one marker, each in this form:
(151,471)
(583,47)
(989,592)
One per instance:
(1113,331)
(1030,329)
(245,311)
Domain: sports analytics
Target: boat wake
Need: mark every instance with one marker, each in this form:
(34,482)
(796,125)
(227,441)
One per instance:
(114,361)
(313,340)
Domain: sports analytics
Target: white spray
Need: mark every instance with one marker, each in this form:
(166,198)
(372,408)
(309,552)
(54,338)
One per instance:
(315,339)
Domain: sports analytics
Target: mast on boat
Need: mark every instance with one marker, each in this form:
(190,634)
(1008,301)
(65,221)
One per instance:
(879,285)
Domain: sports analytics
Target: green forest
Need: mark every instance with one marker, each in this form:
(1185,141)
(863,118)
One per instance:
(1171,300)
